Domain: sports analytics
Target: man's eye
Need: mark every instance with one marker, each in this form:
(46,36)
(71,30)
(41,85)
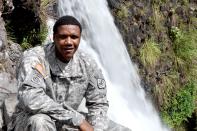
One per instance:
(74,37)
(62,36)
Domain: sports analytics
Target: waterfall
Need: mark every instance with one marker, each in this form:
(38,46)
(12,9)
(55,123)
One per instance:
(100,38)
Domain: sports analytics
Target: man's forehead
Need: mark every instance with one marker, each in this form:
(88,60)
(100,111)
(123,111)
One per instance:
(68,30)
(69,27)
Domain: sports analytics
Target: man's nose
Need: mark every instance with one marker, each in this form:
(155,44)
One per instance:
(68,41)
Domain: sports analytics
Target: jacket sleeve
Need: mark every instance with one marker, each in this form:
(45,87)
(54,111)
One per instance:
(96,100)
(33,98)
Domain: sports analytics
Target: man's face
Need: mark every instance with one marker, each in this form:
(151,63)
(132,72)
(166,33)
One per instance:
(66,41)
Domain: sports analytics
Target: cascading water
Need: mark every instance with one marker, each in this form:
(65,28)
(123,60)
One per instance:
(100,38)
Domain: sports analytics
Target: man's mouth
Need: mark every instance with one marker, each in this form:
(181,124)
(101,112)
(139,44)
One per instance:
(67,50)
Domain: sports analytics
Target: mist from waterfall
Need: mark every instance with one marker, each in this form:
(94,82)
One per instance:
(101,39)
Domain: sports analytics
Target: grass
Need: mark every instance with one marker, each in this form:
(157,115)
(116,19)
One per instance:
(149,53)
(43,9)
(25,44)
(123,12)
(185,49)
(164,90)
(157,19)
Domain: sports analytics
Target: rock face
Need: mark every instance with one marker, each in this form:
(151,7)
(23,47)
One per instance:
(9,107)
(1,120)
(3,35)
(139,21)
(39,7)
(146,22)
(10,53)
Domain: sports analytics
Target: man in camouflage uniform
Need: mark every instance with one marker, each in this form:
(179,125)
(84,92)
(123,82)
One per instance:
(52,82)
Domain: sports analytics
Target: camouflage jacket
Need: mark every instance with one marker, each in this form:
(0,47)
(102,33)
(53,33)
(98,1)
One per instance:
(60,93)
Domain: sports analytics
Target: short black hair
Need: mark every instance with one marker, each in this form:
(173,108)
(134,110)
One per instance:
(66,20)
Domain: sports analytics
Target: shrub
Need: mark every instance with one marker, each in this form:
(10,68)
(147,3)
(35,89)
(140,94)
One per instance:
(182,102)
(181,106)
(184,44)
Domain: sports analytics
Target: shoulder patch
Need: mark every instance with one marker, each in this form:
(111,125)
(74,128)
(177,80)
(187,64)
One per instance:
(36,77)
(35,80)
(101,83)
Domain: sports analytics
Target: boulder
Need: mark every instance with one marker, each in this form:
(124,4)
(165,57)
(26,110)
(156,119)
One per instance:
(9,107)
(7,97)
(3,35)
(1,120)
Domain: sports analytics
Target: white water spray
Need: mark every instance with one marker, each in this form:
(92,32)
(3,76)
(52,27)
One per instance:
(100,38)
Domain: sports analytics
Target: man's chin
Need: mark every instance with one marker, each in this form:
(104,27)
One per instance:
(67,58)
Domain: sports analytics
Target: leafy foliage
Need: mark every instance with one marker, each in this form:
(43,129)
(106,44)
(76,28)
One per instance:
(185,49)
(181,106)
(34,38)
(184,45)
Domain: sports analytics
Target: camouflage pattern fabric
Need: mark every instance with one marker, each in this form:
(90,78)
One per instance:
(50,102)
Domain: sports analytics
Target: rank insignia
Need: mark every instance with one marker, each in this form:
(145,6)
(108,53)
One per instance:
(101,83)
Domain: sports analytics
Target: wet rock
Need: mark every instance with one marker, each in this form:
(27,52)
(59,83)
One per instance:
(9,107)
(1,6)
(38,8)
(3,35)
(114,3)
(116,127)
(139,4)
(14,52)
(12,55)
(1,45)
(7,83)
(52,9)
(7,87)
(1,120)
(6,65)
(8,6)
(3,95)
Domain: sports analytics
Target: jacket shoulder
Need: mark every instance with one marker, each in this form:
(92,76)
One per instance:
(32,52)
(90,63)
(87,58)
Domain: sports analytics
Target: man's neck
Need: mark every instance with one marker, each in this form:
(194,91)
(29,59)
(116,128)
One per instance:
(59,57)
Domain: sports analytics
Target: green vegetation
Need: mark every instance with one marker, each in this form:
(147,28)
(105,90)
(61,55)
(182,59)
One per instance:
(167,55)
(180,96)
(23,28)
(181,106)
(123,11)
(25,44)
(150,53)
(157,19)
(43,8)
(185,49)
(32,38)
(176,90)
